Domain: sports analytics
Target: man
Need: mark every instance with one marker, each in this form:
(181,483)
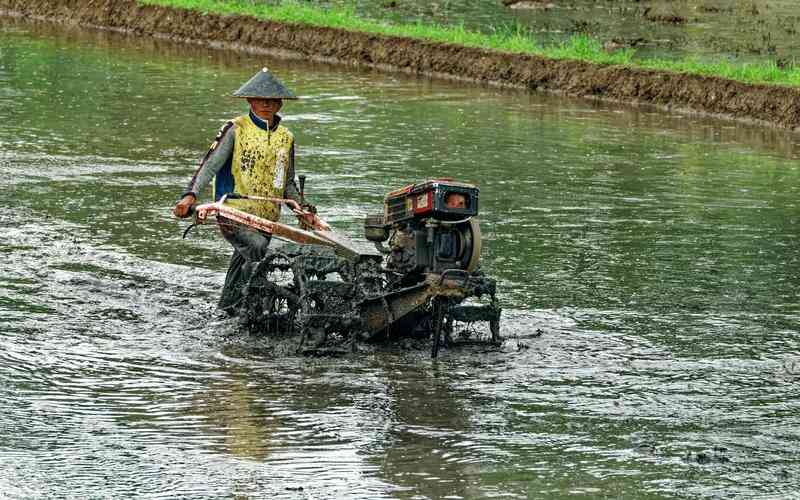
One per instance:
(252,155)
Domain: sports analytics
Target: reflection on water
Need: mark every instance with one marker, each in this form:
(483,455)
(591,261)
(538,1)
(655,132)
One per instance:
(647,262)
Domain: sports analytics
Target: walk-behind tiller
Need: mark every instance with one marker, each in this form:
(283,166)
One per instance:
(323,289)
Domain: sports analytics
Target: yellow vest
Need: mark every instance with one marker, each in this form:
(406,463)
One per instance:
(260,165)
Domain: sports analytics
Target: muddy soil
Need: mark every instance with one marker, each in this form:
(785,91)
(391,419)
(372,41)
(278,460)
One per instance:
(774,105)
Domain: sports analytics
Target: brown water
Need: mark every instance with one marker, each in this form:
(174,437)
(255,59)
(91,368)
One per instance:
(655,253)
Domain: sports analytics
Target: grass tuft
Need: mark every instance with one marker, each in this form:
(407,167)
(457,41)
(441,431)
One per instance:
(515,39)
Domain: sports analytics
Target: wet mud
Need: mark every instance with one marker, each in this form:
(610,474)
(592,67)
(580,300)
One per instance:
(774,105)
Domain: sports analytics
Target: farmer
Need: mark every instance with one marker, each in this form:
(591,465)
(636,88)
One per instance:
(252,155)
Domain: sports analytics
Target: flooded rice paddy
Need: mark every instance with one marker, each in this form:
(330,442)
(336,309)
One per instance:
(648,264)
(710,29)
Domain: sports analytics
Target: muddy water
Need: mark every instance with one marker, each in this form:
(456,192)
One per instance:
(648,263)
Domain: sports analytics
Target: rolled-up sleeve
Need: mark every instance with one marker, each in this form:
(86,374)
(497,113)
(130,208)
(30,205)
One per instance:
(290,191)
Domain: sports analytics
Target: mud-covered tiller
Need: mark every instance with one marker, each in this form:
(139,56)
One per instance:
(329,292)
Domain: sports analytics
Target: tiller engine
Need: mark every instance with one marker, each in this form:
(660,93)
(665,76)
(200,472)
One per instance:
(421,280)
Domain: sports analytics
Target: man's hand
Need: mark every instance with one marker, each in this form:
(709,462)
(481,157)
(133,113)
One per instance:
(182,208)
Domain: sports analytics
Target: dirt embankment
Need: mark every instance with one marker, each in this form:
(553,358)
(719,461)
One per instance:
(774,105)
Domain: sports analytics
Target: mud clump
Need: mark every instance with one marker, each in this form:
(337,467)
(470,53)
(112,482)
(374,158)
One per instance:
(663,17)
(528,4)
(769,104)
(717,455)
(709,9)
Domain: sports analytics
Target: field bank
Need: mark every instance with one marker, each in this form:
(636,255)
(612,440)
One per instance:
(767,104)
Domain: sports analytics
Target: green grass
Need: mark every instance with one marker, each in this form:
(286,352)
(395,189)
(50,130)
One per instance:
(515,39)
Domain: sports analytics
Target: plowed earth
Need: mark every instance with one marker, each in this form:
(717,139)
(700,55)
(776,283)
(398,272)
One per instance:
(774,105)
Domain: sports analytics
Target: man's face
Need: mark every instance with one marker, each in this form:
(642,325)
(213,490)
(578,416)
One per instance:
(265,108)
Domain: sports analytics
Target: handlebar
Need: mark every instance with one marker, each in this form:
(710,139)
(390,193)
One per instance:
(307,218)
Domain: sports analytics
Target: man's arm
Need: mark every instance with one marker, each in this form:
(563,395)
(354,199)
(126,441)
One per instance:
(290,191)
(215,159)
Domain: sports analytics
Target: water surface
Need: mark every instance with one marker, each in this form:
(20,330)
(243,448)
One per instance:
(648,265)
